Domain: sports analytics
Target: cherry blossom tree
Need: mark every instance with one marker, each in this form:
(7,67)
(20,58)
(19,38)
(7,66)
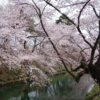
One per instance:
(84,17)
(64,31)
(86,22)
(18,30)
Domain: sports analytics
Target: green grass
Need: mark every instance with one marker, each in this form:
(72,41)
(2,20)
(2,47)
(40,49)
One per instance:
(94,93)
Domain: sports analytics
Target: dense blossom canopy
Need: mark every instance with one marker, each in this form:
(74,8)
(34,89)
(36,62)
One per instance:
(52,32)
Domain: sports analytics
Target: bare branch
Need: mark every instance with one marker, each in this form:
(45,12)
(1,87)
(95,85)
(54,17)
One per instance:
(37,8)
(60,12)
(91,35)
(79,30)
(38,44)
(94,10)
(75,4)
(95,45)
(78,27)
(56,50)
(81,11)
(44,9)
(82,50)
(76,69)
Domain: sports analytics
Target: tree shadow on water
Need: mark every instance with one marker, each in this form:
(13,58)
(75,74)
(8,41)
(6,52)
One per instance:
(25,95)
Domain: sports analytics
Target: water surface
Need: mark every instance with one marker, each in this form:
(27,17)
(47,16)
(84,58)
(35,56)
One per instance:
(63,87)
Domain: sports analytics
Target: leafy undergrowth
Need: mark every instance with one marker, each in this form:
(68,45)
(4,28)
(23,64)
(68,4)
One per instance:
(94,93)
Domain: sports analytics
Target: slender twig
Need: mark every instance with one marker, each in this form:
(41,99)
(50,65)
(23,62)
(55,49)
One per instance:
(94,10)
(38,44)
(82,11)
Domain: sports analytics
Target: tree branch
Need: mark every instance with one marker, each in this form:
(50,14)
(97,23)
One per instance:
(81,11)
(60,12)
(94,10)
(95,46)
(78,27)
(79,30)
(40,16)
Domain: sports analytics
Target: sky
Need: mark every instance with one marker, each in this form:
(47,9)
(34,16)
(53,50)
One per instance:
(3,2)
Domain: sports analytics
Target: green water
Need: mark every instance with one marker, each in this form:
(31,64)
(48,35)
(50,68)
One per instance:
(63,87)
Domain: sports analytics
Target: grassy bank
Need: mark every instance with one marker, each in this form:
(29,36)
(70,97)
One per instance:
(94,94)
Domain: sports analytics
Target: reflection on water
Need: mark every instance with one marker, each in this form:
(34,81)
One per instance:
(62,88)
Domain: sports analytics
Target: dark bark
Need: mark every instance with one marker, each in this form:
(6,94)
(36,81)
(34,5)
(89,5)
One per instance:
(79,75)
(98,62)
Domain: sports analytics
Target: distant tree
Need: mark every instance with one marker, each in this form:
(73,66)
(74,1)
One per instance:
(63,19)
